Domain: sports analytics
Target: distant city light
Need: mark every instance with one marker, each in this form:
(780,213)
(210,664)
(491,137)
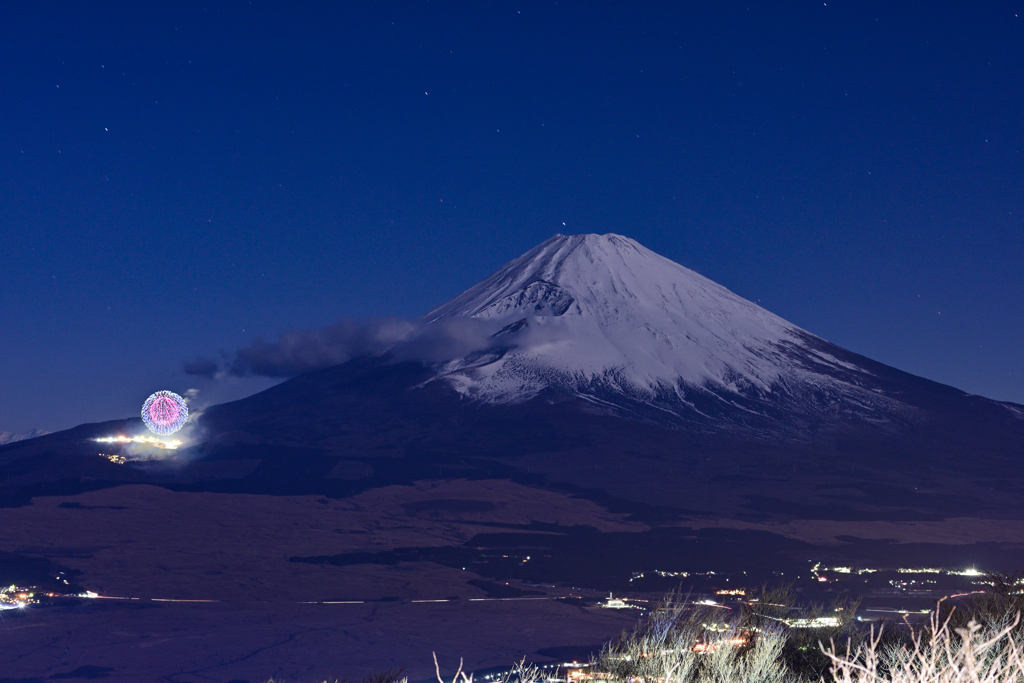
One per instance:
(816,622)
(968,572)
(148,440)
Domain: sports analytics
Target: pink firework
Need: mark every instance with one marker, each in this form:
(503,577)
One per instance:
(164,412)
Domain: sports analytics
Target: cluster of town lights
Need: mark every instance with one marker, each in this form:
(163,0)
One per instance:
(970,571)
(13,597)
(20,597)
(147,440)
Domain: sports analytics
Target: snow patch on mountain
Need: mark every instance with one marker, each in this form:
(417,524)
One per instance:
(10,437)
(600,315)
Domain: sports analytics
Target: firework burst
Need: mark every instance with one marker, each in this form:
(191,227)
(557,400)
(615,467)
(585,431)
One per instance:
(164,412)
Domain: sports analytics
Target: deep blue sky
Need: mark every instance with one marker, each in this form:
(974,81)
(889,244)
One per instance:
(180,178)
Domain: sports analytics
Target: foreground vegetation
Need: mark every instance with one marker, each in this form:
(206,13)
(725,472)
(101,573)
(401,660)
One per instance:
(770,640)
(978,641)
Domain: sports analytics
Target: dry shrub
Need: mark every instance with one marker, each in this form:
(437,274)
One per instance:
(682,643)
(940,653)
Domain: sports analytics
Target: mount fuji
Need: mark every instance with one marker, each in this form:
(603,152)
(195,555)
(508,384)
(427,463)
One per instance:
(592,362)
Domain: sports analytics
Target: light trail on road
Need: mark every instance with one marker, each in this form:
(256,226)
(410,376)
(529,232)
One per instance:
(334,602)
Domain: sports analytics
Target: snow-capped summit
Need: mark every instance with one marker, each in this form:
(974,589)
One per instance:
(599,315)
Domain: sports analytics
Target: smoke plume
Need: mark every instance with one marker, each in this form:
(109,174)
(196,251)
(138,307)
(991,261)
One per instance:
(202,367)
(300,351)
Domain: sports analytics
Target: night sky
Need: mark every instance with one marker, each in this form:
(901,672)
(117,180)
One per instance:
(180,179)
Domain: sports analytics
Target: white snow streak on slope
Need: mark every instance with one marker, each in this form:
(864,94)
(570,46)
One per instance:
(10,437)
(603,307)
